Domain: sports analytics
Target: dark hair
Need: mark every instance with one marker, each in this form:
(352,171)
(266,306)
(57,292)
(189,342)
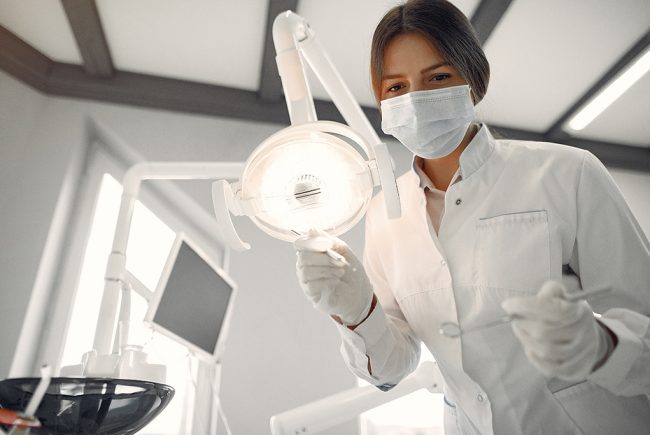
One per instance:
(443,25)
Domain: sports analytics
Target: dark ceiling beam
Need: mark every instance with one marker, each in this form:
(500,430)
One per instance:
(502,132)
(556,131)
(178,95)
(30,66)
(615,155)
(270,87)
(612,155)
(164,93)
(486,17)
(86,25)
(23,61)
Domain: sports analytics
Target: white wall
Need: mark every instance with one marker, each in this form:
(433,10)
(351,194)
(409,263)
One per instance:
(34,157)
(20,255)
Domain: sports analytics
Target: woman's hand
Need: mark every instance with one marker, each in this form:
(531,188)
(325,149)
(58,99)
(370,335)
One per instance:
(337,289)
(561,338)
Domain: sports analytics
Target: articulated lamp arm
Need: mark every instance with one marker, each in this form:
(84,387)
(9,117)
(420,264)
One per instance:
(101,360)
(336,409)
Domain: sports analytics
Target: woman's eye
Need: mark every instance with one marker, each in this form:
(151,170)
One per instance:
(394,88)
(438,77)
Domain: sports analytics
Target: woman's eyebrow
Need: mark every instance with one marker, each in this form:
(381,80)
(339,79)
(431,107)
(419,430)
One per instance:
(425,70)
(434,66)
(391,76)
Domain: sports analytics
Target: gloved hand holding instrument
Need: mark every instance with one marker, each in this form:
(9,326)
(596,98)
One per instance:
(332,278)
(560,336)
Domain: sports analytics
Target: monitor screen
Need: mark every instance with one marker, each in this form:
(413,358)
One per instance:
(193,301)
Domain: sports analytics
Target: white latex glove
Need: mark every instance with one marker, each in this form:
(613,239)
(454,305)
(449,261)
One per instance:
(333,287)
(561,338)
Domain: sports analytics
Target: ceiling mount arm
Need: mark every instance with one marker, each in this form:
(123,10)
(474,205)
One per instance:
(288,29)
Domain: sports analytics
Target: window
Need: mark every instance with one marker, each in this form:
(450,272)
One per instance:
(149,244)
(419,413)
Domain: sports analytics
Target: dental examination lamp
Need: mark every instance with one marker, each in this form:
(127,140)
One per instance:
(311,175)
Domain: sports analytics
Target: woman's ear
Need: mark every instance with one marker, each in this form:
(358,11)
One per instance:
(473,95)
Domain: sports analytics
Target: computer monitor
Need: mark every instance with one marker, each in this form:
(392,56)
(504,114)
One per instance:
(193,301)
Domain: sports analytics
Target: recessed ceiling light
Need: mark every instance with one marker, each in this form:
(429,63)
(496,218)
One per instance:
(607,96)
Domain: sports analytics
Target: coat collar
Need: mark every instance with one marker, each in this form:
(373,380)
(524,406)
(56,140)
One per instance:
(471,159)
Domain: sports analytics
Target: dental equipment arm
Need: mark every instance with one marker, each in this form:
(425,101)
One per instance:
(336,409)
(103,359)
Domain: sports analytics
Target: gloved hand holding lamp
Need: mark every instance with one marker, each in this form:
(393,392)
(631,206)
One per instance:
(561,338)
(340,290)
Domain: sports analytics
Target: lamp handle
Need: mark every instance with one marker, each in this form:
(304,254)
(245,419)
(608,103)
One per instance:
(223,200)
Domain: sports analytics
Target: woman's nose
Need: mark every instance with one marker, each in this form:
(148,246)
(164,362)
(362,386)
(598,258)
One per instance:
(417,86)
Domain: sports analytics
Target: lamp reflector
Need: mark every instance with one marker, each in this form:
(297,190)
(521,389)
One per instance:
(305,180)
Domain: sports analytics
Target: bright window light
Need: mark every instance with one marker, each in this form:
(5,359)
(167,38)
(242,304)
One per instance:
(419,413)
(608,95)
(81,330)
(150,242)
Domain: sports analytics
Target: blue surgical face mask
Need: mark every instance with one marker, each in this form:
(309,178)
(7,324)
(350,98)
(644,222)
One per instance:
(429,123)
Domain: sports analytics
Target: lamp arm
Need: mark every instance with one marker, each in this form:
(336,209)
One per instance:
(116,267)
(292,38)
(341,95)
(288,29)
(336,409)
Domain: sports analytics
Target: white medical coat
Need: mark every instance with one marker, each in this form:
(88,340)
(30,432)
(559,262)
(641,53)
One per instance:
(522,213)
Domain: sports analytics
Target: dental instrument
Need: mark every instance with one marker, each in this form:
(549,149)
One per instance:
(453,330)
(318,243)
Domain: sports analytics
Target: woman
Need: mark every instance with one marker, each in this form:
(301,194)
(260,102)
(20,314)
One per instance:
(490,226)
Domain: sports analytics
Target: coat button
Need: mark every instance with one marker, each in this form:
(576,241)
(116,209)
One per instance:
(443,263)
(479,397)
(458,201)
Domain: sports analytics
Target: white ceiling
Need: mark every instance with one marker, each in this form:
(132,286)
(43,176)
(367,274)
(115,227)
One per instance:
(211,41)
(544,55)
(43,25)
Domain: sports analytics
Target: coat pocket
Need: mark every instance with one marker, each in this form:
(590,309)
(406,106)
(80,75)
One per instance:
(512,251)
(596,411)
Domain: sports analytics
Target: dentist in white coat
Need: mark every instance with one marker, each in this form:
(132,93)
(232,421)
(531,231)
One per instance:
(490,227)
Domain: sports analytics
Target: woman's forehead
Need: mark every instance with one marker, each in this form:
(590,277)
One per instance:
(410,52)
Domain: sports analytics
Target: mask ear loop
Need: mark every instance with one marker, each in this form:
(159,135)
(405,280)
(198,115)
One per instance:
(477,125)
(472,95)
